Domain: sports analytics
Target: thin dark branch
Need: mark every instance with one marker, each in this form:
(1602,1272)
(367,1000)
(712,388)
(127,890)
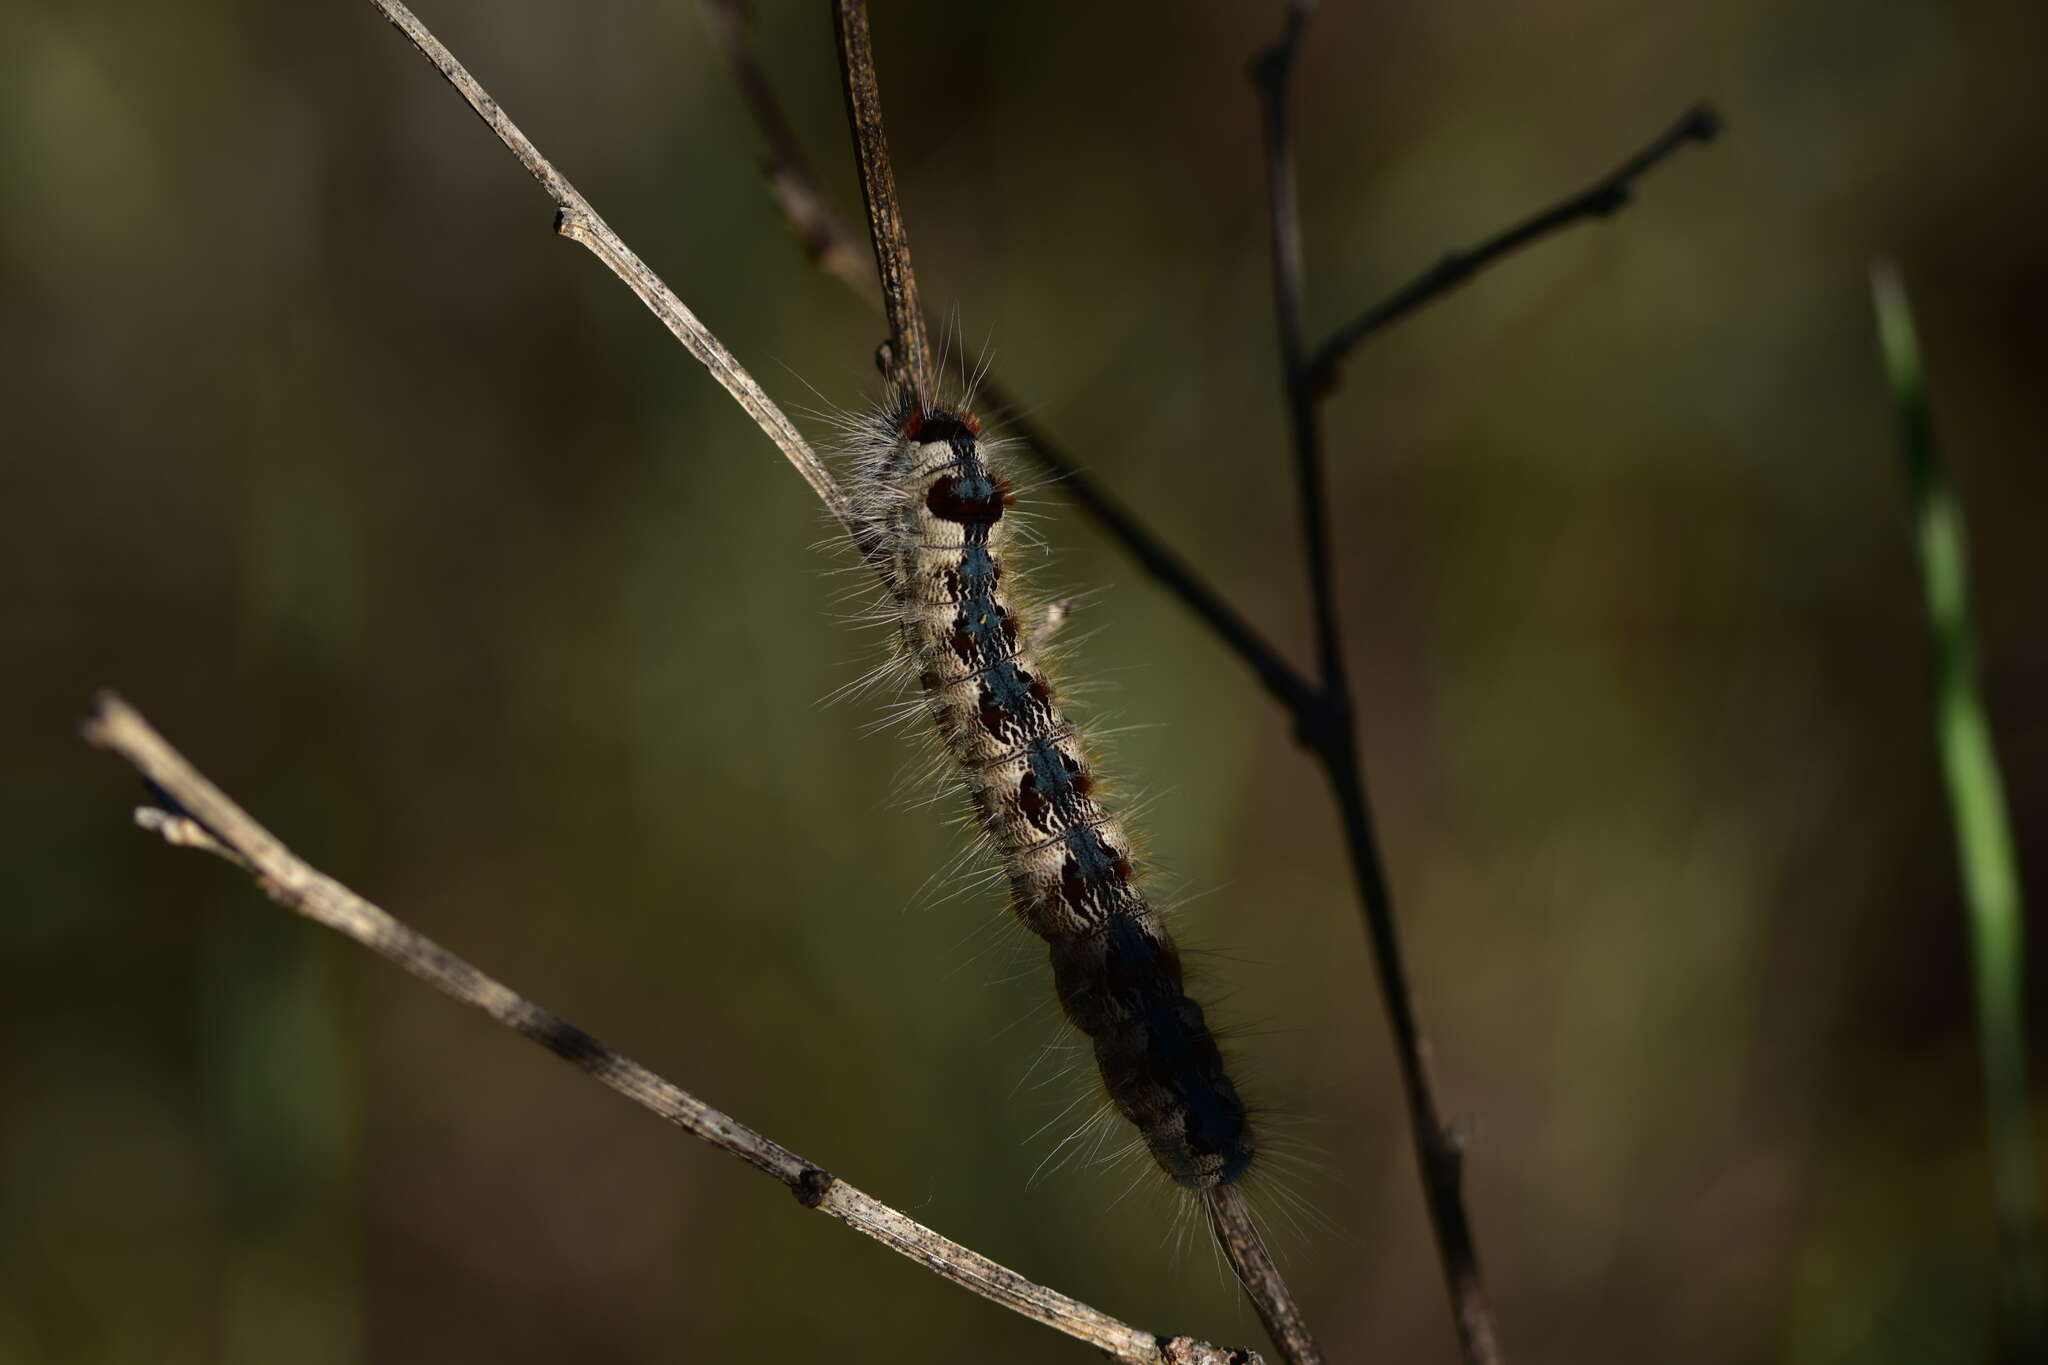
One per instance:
(908,361)
(1602,199)
(1330,731)
(1271,70)
(1230,1220)
(204,817)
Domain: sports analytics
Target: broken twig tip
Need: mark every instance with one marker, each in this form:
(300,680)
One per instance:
(107,706)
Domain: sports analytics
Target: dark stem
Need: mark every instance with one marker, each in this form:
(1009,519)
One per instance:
(908,361)
(1231,1220)
(1439,1156)
(1599,200)
(1329,732)
(1270,70)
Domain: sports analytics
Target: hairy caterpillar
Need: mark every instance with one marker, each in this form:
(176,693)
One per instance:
(934,512)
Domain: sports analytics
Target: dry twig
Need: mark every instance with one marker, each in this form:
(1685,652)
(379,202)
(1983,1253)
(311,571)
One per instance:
(1230,1218)
(1331,734)
(202,816)
(576,220)
(1602,199)
(908,361)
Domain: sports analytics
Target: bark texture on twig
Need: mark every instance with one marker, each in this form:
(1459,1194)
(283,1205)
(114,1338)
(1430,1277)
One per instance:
(1331,732)
(204,817)
(908,361)
(1231,1220)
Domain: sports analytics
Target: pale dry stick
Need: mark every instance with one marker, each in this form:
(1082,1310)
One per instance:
(576,220)
(206,818)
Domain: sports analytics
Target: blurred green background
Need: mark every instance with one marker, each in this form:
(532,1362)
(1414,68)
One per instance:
(415,531)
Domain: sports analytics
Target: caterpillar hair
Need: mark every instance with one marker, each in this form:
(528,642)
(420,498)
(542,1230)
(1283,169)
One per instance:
(933,511)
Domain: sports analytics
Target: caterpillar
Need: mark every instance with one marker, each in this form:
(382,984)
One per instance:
(934,511)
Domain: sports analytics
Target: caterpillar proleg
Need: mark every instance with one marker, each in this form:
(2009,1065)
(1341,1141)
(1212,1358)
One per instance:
(934,508)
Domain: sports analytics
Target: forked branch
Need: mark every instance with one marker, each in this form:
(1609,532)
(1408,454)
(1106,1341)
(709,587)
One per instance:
(202,816)
(1331,733)
(832,246)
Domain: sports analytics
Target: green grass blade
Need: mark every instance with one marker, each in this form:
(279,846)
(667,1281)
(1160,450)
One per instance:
(1984,845)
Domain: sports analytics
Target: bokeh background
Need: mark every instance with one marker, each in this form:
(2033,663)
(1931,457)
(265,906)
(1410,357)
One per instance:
(407,522)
